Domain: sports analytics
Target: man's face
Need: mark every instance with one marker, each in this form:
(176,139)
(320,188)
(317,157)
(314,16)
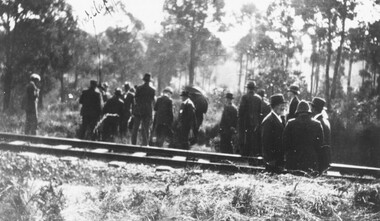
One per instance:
(290,94)
(183,98)
(281,109)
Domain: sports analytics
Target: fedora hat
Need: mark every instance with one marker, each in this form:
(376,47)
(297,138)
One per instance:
(229,96)
(295,89)
(168,89)
(277,99)
(35,76)
(93,83)
(318,103)
(303,107)
(251,85)
(147,77)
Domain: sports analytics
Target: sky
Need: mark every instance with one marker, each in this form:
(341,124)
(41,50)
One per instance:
(151,14)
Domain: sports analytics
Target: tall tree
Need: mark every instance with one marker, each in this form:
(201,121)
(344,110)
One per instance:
(192,17)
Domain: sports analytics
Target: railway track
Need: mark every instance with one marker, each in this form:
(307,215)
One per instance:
(160,156)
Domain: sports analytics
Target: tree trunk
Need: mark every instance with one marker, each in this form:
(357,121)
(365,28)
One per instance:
(312,78)
(339,55)
(240,72)
(327,76)
(192,61)
(61,80)
(350,72)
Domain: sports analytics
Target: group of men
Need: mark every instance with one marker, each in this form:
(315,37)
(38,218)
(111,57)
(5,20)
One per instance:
(133,110)
(298,139)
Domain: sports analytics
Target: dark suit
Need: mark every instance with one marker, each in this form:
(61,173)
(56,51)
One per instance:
(302,138)
(186,122)
(163,119)
(249,122)
(92,102)
(271,135)
(324,153)
(128,99)
(112,124)
(142,111)
(228,125)
(30,106)
(292,108)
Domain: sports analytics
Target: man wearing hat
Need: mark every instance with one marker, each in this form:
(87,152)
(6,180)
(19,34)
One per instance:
(92,103)
(271,134)
(249,122)
(30,105)
(324,154)
(187,122)
(265,105)
(163,118)
(113,112)
(293,93)
(228,125)
(142,112)
(302,137)
(104,90)
(128,98)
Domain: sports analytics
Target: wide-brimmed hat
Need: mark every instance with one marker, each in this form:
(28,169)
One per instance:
(318,103)
(184,94)
(229,96)
(35,76)
(168,89)
(251,85)
(295,89)
(303,107)
(277,99)
(147,77)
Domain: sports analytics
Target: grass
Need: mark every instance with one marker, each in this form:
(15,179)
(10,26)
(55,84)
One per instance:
(37,187)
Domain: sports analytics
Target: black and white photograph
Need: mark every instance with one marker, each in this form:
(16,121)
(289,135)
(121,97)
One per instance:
(187,110)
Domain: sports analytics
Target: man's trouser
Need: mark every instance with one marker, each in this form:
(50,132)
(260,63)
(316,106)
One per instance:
(31,124)
(88,126)
(145,123)
(162,132)
(110,128)
(226,142)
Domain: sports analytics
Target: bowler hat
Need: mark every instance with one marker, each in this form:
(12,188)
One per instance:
(277,99)
(318,103)
(251,85)
(168,89)
(35,76)
(184,94)
(295,89)
(147,77)
(229,96)
(303,107)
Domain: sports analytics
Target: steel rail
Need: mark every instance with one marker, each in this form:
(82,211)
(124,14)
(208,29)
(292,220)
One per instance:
(123,148)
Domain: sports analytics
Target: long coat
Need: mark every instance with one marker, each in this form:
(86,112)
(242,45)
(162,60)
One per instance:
(249,122)
(292,108)
(31,98)
(164,111)
(228,126)
(92,102)
(324,153)
(186,121)
(302,138)
(144,100)
(271,136)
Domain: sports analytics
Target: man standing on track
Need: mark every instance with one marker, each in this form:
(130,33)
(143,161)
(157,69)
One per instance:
(163,118)
(92,103)
(293,93)
(249,122)
(187,121)
(271,134)
(30,105)
(142,112)
(128,98)
(114,112)
(228,125)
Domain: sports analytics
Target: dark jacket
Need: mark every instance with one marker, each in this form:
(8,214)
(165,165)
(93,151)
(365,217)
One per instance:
(265,108)
(114,105)
(229,118)
(92,102)
(128,99)
(249,111)
(164,111)
(292,108)
(302,138)
(324,153)
(326,129)
(31,98)
(186,117)
(271,137)
(144,100)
